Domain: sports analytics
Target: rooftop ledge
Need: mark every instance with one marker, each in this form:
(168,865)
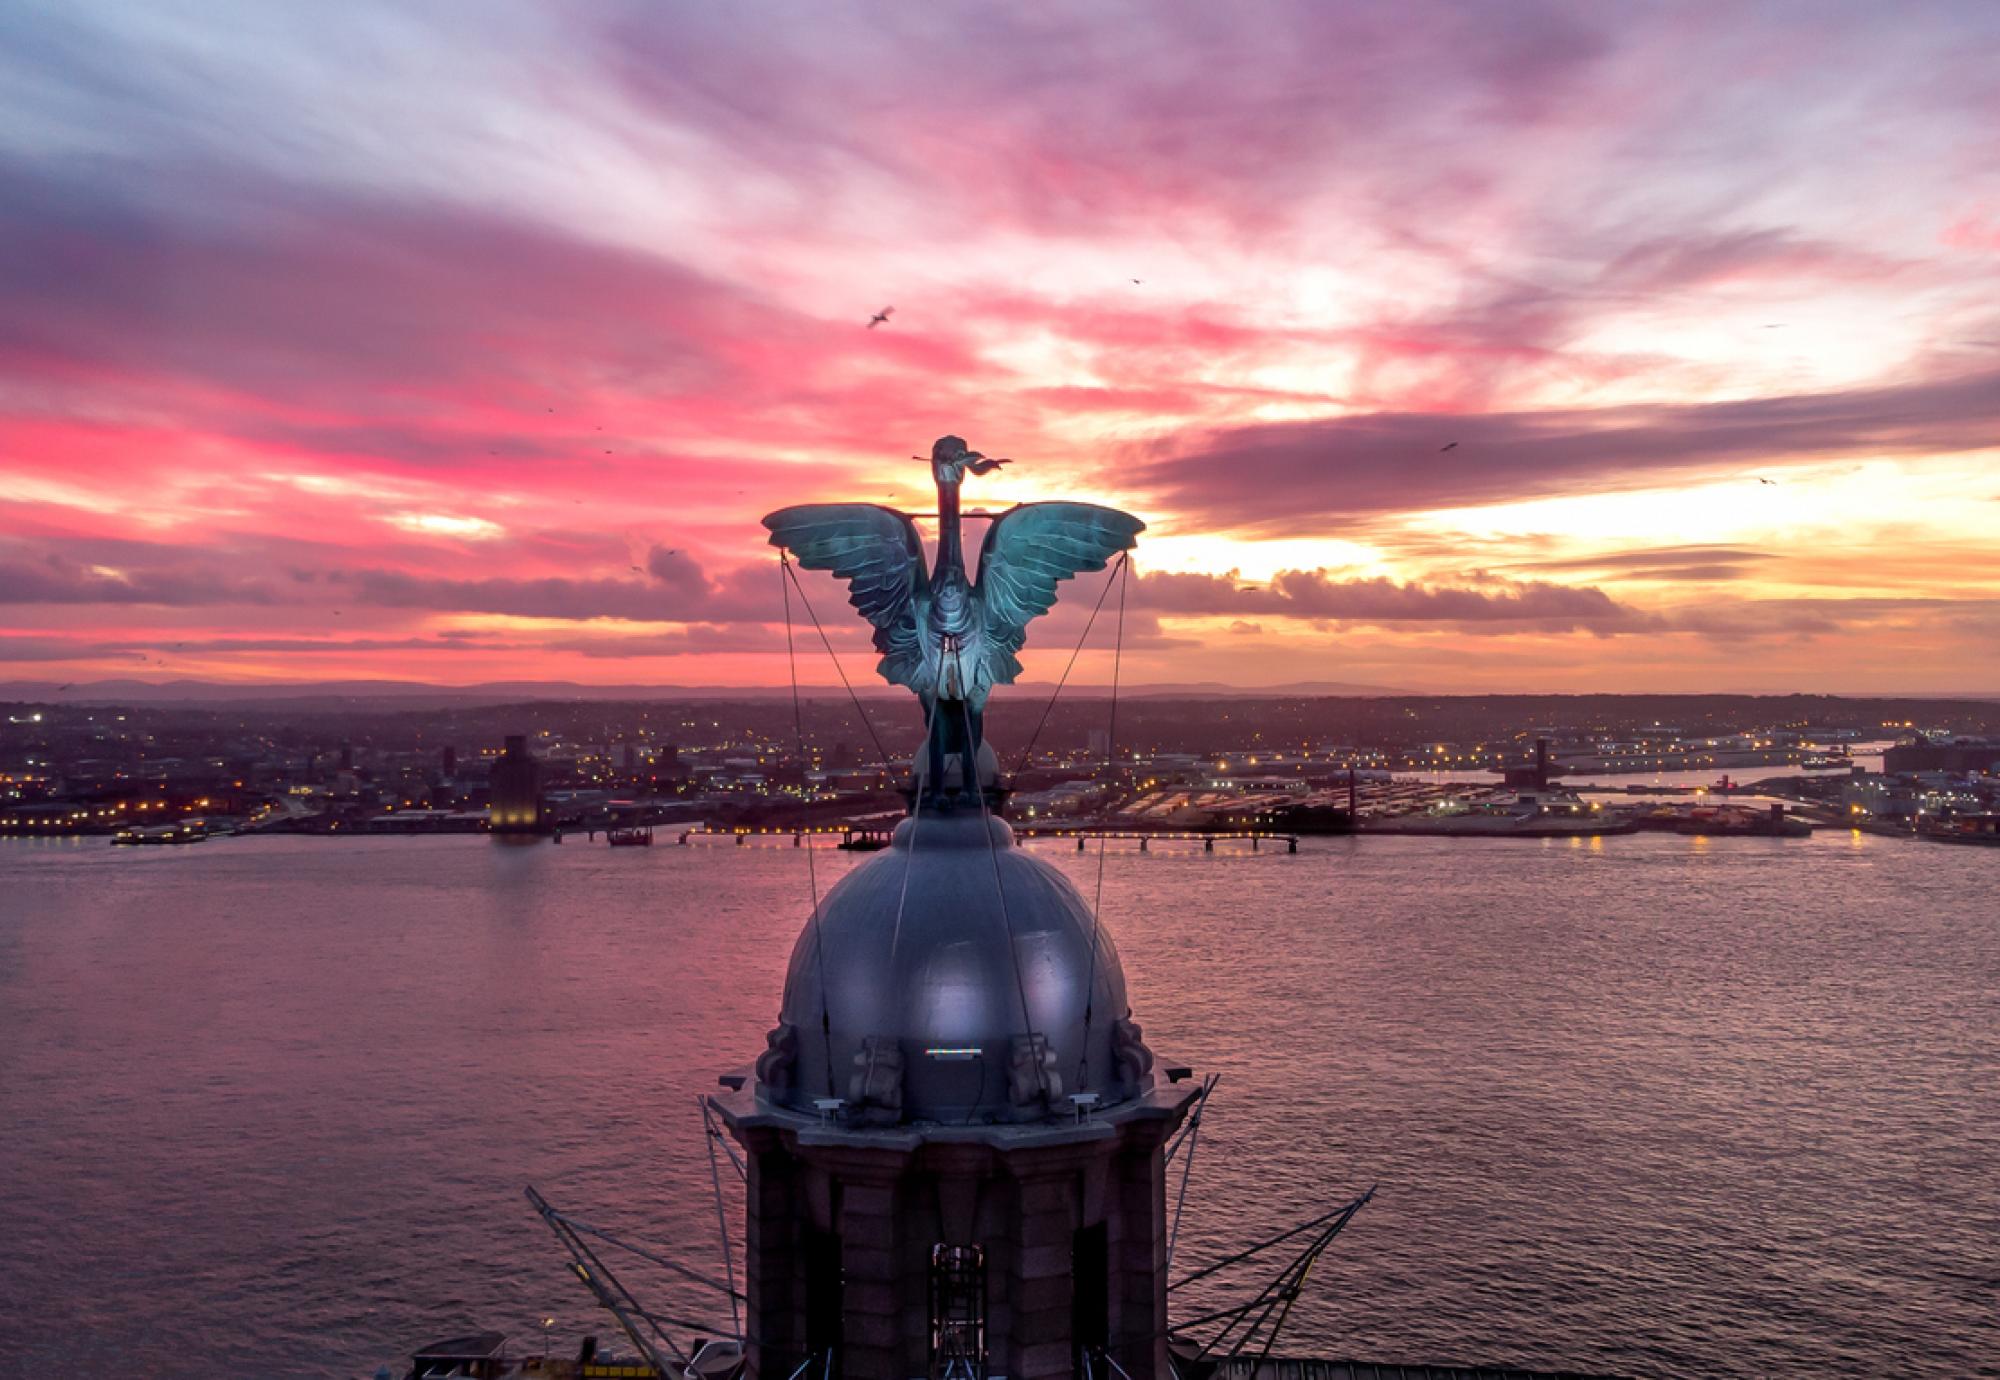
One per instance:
(743,1108)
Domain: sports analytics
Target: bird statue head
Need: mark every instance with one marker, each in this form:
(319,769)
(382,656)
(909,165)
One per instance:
(950,460)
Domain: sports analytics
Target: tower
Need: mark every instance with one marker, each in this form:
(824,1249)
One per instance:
(954,1139)
(515,806)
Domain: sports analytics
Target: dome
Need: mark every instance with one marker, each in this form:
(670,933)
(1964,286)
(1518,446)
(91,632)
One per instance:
(923,1003)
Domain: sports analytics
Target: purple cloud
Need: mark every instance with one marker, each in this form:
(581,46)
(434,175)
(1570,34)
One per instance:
(1313,475)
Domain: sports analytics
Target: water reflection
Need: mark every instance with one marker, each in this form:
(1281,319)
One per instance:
(1650,1104)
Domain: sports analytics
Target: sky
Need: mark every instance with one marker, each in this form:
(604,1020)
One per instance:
(1453,347)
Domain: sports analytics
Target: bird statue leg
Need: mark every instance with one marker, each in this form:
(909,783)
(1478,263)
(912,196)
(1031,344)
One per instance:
(955,734)
(975,735)
(968,747)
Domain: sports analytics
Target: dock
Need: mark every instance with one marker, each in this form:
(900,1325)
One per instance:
(1208,838)
(869,837)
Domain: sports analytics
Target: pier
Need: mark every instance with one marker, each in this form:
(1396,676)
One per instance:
(1207,837)
(869,837)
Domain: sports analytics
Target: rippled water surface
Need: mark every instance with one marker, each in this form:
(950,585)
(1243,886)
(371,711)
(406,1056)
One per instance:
(1653,1105)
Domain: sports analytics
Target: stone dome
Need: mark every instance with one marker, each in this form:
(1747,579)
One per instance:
(924,1017)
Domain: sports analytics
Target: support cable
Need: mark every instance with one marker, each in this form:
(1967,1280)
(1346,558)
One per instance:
(888,765)
(1269,1241)
(721,1222)
(614,1296)
(735,1160)
(1000,888)
(1187,1166)
(918,779)
(785,582)
(839,669)
(1194,1120)
(554,1215)
(1282,1293)
(1110,760)
(1028,751)
(1291,1297)
(1279,1295)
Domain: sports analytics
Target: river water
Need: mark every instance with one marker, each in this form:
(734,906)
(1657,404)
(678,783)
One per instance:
(1651,1104)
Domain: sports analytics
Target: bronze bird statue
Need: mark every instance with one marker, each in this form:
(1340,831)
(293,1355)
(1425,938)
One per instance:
(948,635)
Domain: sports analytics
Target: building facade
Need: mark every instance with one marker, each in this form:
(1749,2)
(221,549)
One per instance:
(515,790)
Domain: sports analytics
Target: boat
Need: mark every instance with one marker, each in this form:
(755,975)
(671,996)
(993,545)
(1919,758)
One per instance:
(1978,830)
(632,836)
(158,835)
(1737,821)
(1723,821)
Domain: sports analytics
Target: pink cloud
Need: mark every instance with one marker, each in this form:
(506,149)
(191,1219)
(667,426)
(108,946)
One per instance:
(1320,595)
(284,335)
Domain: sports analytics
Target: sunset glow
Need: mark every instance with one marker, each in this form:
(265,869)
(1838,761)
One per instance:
(1472,347)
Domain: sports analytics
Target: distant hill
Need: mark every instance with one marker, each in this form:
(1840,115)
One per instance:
(397,694)
(1216,690)
(418,695)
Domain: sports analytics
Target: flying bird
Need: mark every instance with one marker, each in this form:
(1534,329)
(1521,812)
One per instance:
(1450,445)
(1762,480)
(881,318)
(66,687)
(1135,280)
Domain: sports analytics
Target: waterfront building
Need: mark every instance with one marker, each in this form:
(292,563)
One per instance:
(515,789)
(1952,755)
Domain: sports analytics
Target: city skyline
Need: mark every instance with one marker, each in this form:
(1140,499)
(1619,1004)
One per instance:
(1470,349)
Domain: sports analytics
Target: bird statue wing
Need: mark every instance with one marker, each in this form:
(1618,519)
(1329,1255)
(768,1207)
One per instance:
(877,551)
(1031,549)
